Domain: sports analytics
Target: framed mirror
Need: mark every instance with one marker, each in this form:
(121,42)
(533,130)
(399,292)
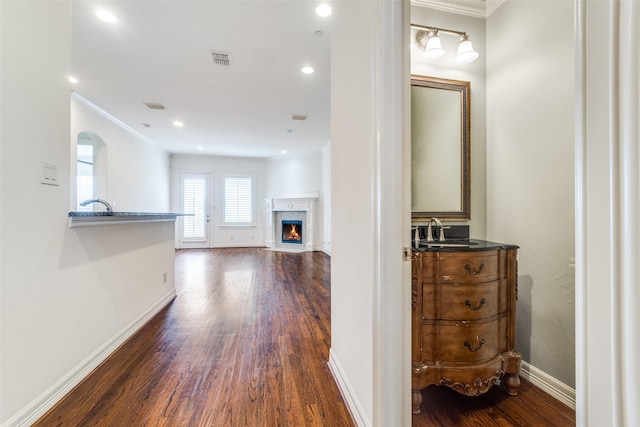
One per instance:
(440,149)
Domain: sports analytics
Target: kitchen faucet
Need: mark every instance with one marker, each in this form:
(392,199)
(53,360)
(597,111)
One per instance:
(104,202)
(430,232)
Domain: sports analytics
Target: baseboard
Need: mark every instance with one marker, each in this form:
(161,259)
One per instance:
(237,245)
(326,248)
(356,411)
(549,385)
(36,409)
(535,376)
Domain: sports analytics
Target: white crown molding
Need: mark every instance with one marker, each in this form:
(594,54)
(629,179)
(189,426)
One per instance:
(112,119)
(475,8)
(493,5)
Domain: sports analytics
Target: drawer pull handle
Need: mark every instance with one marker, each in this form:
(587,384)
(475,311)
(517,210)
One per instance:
(474,349)
(478,307)
(474,272)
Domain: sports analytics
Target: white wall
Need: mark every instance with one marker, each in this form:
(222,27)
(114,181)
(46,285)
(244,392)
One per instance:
(475,73)
(294,176)
(325,200)
(218,166)
(297,176)
(608,213)
(530,170)
(352,182)
(275,177)
(370,213)
(67,295)
(137,170)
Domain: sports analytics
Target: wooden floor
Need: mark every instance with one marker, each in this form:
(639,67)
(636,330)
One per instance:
(443,407)
(246,343)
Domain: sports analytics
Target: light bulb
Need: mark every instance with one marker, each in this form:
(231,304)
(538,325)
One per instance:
(323,10)
(466,54)
(106,16)
(434,47)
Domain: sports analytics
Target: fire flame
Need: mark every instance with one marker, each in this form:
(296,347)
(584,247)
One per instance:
(293,233)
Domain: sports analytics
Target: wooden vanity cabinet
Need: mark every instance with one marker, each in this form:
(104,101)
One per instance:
(464,320)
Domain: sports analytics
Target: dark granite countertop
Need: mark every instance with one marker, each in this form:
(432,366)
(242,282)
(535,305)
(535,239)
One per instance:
(125,214)
(89,219)
(462,245)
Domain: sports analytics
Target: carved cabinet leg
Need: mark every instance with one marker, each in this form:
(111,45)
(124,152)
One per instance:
(416,401)
(511,384)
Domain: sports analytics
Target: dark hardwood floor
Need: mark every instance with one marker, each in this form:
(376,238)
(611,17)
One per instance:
(246,343)
(443,407)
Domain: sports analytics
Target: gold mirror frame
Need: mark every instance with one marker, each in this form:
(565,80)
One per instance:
(464,90)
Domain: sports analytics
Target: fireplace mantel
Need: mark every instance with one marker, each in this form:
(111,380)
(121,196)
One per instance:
(306,204)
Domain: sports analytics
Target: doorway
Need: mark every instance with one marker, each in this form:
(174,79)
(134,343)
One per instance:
(194,203)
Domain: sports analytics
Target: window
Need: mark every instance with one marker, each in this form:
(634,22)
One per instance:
(84,189)
(238,200)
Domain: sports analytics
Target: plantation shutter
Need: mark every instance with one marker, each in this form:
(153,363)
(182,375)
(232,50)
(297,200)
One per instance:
(238,199)
(193,203)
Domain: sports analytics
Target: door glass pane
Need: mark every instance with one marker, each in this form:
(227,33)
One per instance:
(193,202)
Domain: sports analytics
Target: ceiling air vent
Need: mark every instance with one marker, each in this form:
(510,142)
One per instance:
(155,106)
(298,117)
(221,58)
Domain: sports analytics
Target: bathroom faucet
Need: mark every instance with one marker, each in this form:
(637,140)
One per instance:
(104,202)
(430,231)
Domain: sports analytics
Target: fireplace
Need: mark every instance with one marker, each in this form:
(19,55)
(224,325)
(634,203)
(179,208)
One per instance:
(283,214)
(291,231)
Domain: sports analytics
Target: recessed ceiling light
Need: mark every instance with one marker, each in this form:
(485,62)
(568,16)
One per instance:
(283,152)
(318,33)
(178,123)
(307,70)
(106,16)
(72,79)
(323,10)
(289,131)
(200,147)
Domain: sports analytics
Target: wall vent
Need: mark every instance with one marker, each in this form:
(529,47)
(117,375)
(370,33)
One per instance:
(298,117)
(221,58)
(155,106)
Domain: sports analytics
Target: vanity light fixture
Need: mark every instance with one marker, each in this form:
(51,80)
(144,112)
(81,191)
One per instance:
(428,40)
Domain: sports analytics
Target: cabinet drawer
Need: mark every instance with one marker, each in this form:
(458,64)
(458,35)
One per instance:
(468,267)
(460,343)
(464,301)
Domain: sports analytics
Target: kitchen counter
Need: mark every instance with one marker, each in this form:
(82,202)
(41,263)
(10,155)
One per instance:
(93,219)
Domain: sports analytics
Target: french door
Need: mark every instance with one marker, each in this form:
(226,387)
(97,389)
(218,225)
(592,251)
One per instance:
(195,230)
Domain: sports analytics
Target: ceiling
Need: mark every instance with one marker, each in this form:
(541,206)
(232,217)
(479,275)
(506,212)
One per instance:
(161,52)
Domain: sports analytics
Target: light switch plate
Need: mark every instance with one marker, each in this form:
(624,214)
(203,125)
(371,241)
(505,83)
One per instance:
(49,174)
